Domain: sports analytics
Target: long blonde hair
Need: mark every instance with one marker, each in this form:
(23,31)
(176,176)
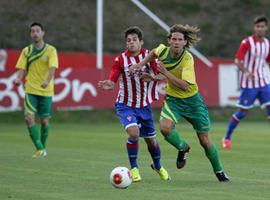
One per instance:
(189,32)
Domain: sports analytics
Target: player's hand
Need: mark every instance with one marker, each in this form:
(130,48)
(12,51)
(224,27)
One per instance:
(106,85)
(134,68)
(45,84)
(161,68)
(17,82)
(146,77)
(249,75)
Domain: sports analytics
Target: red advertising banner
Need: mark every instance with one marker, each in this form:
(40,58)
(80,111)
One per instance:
(76,83)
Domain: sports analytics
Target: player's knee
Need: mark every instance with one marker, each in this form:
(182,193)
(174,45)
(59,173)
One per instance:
(205,140)
(151,142)
(241,114)
(44,122)
(165,129)
(30,120)
(133,133)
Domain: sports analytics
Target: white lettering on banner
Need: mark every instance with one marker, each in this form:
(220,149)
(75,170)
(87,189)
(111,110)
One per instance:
(75,87)
(9,93)
(67,85)
(79,90)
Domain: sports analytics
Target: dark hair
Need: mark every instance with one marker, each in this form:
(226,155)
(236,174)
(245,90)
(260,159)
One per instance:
(37,24)
(260,18)
(134,30)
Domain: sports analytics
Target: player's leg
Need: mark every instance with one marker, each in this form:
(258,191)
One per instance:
(198,116)
(213,156)
(44,112)
(268,113)
(30,108)
(147,131)
(168,118)
(154,150)
(44,130)
(264,98)
(132,146)
(170,115)
(233,123)
(246,101)
(128,119)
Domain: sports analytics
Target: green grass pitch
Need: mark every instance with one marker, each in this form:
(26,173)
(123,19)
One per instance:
(81,156)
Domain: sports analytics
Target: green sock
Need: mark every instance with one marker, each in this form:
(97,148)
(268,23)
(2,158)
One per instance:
(212,155)
(44,130)
(35,136)
(175,140)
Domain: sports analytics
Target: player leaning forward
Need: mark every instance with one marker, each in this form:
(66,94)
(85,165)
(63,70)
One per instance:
(182,98)
(38,62)
(133,102)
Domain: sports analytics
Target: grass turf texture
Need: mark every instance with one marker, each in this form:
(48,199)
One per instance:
(82,155)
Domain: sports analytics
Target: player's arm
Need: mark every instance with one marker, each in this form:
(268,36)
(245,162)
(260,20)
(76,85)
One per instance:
(20,74)
(149,77)
(155,76)
(183,85)
(239,58)
(137,67)
(21,67)
(240,64)
(268,58)
(114,75)
(49,77)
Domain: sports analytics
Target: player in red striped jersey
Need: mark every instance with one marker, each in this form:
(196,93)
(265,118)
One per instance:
(133,102)
(251,58)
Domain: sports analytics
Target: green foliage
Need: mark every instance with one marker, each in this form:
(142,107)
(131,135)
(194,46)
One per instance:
(72,26)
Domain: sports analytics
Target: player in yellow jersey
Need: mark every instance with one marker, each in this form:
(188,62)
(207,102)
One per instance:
(37,63)
(182,98)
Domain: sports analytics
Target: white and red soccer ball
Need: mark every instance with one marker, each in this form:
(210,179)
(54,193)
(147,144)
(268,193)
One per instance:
(120,177)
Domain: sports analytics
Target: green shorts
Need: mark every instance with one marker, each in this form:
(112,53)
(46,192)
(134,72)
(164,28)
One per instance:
(192,109)
(35,104)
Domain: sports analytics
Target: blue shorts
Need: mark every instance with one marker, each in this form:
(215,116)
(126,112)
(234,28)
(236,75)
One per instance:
(249,95)
(141,117)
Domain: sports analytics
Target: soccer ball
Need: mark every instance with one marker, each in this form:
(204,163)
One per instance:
(120,177)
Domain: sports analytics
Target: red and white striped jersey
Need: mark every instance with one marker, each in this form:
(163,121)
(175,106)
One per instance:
(254,53)
(132,91)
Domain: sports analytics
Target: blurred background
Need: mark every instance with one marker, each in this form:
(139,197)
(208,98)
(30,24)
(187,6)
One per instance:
(71,26)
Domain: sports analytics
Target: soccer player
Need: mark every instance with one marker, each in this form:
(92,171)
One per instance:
(251,59)
(182,98)
(133,102)
(38,63)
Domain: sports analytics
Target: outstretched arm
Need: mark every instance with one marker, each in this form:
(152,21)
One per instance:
(114,75)
(149,77)
(106,84)
(137,67)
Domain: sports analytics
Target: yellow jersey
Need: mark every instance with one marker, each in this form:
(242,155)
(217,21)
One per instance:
(182,68)
(37,64)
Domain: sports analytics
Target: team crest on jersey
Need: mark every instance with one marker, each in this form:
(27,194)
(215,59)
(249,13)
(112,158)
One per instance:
(129,118)
(45,57)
